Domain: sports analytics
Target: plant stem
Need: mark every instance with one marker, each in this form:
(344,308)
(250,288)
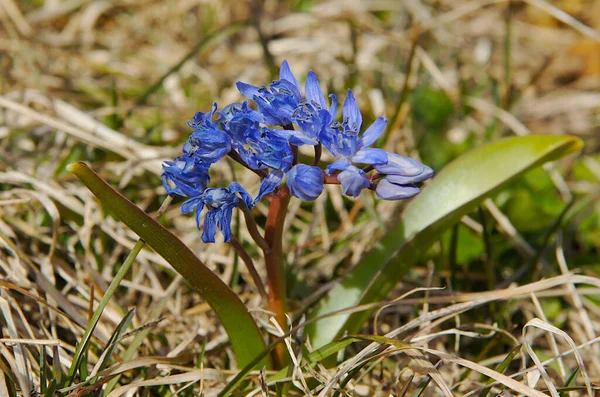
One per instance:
(275,266)
(235,243)
(253,228)
(318,152)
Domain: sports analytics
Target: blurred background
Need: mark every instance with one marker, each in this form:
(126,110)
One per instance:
(113,83)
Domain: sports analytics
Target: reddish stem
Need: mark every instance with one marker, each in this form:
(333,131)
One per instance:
(275,266)
(331,180)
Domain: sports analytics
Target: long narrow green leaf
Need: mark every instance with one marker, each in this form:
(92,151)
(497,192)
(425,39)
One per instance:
(83,344)
(114,340)
(502,368)
(457,190)
(244,335)
(571,380)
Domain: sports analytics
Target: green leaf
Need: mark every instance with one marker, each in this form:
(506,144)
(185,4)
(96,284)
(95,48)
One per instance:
(79,357)
(244,335)
(454,192)
(501,368)
(571,380)
(114,341)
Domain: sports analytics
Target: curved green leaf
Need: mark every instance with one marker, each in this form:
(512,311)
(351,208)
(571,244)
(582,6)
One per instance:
(244,335)
(454,192)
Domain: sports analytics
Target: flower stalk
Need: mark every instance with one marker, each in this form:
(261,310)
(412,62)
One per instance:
(243,254)
(276,267)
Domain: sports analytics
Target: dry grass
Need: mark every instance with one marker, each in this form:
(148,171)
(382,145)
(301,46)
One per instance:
(112,83)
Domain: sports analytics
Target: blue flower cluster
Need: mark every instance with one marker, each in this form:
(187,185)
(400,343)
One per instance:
(266,140)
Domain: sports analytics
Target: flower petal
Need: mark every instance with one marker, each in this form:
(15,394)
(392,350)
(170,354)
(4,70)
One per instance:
(370,156)
(248,90)
(339,165)
(351,113)
(400,165)
(333,107)
(353,181)
(195,203)
(313,90)
(404,180)
(189,176)
(268,184)
(305,182)
(285,73)
(372,133)
(210,225)
(390,191)
(224,220)
(235,187)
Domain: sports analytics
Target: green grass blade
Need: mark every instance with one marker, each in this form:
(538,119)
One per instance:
(501,368)
(454,192)
(243,332)
(570,382)
(422,386)
(43,371)
(114,340)
(87,335)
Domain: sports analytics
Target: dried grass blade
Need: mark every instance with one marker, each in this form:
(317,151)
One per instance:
(537,323)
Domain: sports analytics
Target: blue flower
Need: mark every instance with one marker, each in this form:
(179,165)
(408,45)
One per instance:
(400,174)
(269,184)
(403,170)
(266,140)
(236,119)
(260,147)
(188,174)
(305,181)
(311,115)
(220,203)
(392,191)
(343,141)
(207,142)
(353,180)
(277,101)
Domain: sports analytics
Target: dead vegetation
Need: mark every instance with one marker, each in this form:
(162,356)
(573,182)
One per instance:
(113,82)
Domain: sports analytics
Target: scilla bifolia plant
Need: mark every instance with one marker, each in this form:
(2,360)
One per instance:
(265,140)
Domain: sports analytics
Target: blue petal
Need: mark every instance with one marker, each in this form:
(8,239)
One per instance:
(247,90)
(305,182)
(400,165)
(270,113)
(210,225)
(338,141)
(390,191)
(404,180)
(353,181)
(210,144)
(189,175)
(225,222)
(370,156)
(339,165)
(351,113)
(285,73)
(333,107)
(195,203)
(297,138)
(235,187)
(269,184)
(372,133)
(313,90)
(203,118)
